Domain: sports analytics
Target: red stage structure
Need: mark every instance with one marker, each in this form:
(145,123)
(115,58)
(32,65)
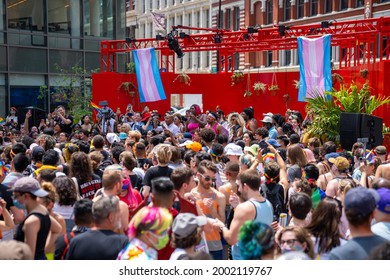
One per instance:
(362,44)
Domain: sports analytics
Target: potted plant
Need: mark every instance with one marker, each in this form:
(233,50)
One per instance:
(183,78)
(296,83)
(259,87)
(273,89)
(363,73)
(237,78)
(337,78)
(128,87)
(247,93)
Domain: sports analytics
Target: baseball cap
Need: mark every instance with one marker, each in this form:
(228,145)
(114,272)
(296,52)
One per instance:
(232,149)
(186,223)
(273,142)
(29,185)
(36,151)
(267,119)
(252,149)
(340,162)
(122,135)
(362,200)
(112,137)
(146,116)
(384,200)
(380,150)
(269,114)
(331,155)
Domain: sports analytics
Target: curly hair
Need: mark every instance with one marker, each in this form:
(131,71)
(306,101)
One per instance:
(256,239)
(302,236)
(96,158)
(66,190)
(80,167)
(238,117)
(50,142)
(187,242)
(207,134)
(52,194)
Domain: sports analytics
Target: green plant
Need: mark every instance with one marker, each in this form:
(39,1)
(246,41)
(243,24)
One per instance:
(363,73)
(130,67)
(326,108)
(258,87)
(236,78)
(128,87)
(273,89)
(73,89)
(247,93)
(183,78)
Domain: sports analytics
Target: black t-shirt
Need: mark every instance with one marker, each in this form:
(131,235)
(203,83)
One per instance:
(156,171)
(96,245)
(89,188)
(142,161)
(7,196)
(65,127)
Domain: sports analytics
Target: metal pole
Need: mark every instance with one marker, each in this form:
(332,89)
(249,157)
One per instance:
(219,27)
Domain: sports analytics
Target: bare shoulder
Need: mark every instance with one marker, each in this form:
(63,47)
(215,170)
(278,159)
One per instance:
(219,194)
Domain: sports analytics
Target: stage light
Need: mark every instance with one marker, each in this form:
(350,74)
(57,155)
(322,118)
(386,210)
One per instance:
(173,44)
(282,30)
(217,39)
(325,24)
(182,35)
(160,37)
(251,30)
(246,36)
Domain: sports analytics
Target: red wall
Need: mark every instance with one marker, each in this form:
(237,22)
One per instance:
(217,90)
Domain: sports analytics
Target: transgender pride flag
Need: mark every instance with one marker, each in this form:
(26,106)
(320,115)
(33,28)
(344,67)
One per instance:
(150,87)
(315,66)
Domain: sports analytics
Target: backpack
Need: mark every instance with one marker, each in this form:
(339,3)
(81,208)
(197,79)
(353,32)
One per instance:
(67,238)
(274,193)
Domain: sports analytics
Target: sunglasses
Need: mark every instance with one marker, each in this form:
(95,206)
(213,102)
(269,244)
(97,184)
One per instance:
(207,178)
(289,242)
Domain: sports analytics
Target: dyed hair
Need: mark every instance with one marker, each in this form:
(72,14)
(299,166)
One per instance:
(197,109)
(149,218)
(255,240)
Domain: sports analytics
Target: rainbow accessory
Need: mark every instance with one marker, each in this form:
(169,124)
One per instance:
(149,218)
(2,121)
(95,107)
(270,180)
(4,169)
(269,157)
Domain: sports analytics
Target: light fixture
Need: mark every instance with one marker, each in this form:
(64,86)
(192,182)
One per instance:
(325,24)
(160,37)
(282,30)
(217,39)
(173,44)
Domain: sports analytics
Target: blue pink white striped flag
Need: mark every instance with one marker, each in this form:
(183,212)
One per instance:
(150,86)
(315,66)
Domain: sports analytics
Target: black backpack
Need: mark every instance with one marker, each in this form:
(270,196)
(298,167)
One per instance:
(274,193)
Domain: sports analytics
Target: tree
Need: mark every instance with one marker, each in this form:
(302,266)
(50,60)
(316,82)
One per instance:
(73,90)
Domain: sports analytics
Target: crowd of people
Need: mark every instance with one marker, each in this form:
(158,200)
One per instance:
(158,185)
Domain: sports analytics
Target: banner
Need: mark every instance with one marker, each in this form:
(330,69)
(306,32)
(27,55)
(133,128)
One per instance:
(315,66)
(150,86)
(159,22)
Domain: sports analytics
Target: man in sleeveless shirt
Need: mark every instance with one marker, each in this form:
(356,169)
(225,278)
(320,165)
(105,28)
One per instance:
(212,203)
(255,207)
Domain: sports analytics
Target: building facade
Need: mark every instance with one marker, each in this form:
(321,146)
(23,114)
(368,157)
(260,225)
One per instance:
(236,14)
(40,39)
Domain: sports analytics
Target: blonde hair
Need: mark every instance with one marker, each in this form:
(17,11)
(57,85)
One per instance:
(135,134)
(240,119)
(163,153)
(52,196)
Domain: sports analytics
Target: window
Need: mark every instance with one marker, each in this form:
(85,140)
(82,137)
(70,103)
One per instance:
(207,23)
(228,18)
(269,59)
(65,60)
(328,7)
(359,3)
(236,61)
(60,13)
(237,18)
(343,5)
(313,7)
(300,8)
(269,11)
(220,20)
(27,60)
(287,57)
(98,18)
(26,15)
(287,10)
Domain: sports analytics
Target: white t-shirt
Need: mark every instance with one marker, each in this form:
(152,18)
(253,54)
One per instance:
(177,253)
(382,229)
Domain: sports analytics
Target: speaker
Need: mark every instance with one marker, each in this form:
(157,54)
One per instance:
(353,126)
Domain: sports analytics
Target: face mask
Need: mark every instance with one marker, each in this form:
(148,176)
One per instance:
(19,205)
(162,240)
(294,248)
(13,112)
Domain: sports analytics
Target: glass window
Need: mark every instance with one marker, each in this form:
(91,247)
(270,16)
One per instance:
(64,60)
(98,18)
(228,18)
(313,7)
(359,3)
(269,59)
(287,57)
(237,18)
(25,15)
(300,8)
(236,61)
(269,12)
(3,59)
(58,13)
(328,6)
(207,19)
(27,60)
(2,14)
(220,21)
(92,61)
(287,10)
(343,4)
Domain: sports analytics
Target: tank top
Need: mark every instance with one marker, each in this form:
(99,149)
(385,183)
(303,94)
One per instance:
(213,238)
(264,214)
(43,232)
